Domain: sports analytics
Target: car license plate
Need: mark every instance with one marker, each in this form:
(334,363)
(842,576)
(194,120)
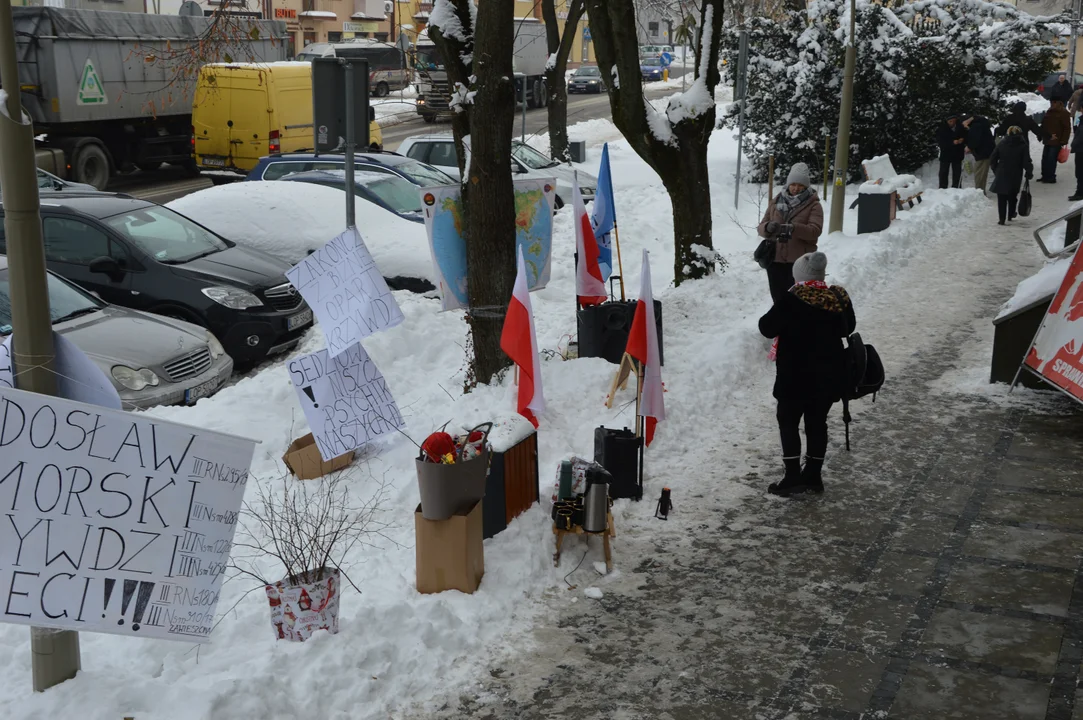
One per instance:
(302,318)
(214,161)
(200,391)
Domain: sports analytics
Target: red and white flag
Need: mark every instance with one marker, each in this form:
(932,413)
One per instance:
(519,341)
(643,346)
(589,286)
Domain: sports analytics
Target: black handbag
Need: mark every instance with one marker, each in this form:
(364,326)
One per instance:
(1025,200)
(765,253)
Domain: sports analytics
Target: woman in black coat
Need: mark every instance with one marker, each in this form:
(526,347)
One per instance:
(1009,161)
(809,322)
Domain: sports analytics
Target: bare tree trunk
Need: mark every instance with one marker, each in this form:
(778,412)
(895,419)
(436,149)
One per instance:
(676,148)
(555,83)
(481,62)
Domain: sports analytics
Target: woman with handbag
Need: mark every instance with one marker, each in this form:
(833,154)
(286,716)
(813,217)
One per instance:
(1009,162)
(792,225)
(810,321)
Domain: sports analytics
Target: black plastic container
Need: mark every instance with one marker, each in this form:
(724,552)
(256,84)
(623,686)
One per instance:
(618,452)
(603,329)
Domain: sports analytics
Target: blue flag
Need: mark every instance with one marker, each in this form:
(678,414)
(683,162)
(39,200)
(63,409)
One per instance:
(603,216)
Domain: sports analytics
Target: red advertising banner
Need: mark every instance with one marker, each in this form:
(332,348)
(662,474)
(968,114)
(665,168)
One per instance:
(1057,351)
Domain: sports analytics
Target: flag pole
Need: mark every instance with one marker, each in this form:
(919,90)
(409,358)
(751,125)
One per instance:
(620,263)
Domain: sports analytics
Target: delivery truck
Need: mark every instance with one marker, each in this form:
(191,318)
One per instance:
(529,56)
(106,90)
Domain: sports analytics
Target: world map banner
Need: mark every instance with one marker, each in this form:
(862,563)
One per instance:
(534,206)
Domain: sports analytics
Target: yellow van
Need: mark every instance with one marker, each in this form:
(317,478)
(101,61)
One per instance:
(245,111)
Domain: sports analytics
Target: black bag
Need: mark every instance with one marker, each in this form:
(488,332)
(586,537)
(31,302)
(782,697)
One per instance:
(765,252)
(1025,200)
(864,376)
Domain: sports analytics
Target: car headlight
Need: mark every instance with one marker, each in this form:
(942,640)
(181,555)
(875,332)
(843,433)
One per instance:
(215,347)
(592,82)
(233,298)
(134,379)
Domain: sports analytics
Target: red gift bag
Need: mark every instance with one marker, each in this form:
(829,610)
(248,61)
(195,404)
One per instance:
(1064,154)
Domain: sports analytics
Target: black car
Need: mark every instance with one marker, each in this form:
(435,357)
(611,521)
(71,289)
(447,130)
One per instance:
(144,256)
(586,79)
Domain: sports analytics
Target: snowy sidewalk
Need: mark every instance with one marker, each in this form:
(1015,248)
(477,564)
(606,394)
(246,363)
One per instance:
(939,575)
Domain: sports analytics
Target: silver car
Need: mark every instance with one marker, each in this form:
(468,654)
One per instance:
(150,359)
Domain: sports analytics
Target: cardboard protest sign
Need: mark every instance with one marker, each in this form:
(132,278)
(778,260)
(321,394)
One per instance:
(78,378)
(1055,354)
(115,522)
(345,399)
(346,291)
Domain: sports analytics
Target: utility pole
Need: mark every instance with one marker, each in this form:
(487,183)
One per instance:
(54,653)
(842,145)
(1074,36)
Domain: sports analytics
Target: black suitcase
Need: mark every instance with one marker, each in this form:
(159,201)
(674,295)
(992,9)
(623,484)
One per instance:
(618,452)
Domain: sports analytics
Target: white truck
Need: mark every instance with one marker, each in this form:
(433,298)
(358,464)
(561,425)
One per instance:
(529,56)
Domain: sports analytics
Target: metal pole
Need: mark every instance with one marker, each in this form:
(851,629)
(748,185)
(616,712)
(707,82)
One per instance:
(522,137)
(770,178)
(842,146)
(1074,36)
(54,653)
(350,147)
(742,93)
(827,167)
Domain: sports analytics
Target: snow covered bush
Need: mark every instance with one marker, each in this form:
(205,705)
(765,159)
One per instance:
(916,64)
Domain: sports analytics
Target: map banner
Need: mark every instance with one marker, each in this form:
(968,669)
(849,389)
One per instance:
(1056,355)
(534,206)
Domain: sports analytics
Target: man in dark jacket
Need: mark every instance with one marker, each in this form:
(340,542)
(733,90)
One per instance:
(809,321)
(1057,126)
(1062,90)
(1017,117)
(949,137)
(979,143)
(1077,148)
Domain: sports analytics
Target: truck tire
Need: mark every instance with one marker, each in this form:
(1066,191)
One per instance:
(91,165)
(382,90)
(544,93)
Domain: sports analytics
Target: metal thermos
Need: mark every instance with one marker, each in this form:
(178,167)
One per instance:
(596,504)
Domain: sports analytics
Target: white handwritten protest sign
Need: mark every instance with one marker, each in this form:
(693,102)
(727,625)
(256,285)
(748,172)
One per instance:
(346,291)
(113,522)
(78,378)
(345,399)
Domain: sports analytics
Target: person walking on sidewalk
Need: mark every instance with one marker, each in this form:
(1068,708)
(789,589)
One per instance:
(1017,117)
(979,143)
(795,220)
(810,322)
(1077,149)
(1074,101)
(1062,90)
(950,138)
(1010,160)
(1057,127)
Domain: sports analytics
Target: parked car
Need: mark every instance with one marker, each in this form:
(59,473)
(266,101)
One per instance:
(651,68)
(586,79)
(151,360)
(387,66)
(147,257)
(49,183)
(391,192)
(439,150)
(1045,88)
(654,50)
(275,167)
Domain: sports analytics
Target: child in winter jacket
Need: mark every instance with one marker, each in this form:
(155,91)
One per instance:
(810,322)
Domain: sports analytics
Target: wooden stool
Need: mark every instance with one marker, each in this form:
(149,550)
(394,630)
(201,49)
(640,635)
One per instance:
(578,530)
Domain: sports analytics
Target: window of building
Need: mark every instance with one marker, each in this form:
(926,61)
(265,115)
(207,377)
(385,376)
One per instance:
(652,28)
(334,37)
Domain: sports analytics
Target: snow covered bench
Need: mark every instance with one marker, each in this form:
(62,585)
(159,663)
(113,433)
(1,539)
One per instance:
(879,170)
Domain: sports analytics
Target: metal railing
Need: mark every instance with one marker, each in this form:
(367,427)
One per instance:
(1072,220)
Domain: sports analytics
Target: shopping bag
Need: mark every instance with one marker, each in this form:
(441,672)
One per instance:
(1025,200)
(1064,154)
(305,603)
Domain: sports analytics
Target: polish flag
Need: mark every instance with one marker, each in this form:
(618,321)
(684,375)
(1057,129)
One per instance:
(643,346)
(520,343)
(589,286)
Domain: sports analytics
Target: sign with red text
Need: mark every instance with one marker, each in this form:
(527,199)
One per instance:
(114,522)
(1055,354)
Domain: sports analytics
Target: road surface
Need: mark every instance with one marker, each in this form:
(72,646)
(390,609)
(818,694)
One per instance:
(169,183)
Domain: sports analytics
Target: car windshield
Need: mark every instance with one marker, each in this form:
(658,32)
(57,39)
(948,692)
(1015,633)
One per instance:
(65,301)
(588,72)
(428,59)
(423,174)
(651,61)
(399,194)
(166,236)
(531,157)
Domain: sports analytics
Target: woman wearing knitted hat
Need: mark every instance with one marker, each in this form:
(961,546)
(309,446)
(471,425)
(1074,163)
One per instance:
(810,322)
(794,219)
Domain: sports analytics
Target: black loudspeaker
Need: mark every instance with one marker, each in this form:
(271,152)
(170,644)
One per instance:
(603,329)
(618,452)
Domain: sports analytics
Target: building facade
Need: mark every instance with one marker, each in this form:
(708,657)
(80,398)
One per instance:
(136,6)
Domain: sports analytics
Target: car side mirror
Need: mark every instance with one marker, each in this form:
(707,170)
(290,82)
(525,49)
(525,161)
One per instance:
(107,266)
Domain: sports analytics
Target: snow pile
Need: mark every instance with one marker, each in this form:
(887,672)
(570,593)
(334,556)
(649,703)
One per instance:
(291,219)
(1037,288)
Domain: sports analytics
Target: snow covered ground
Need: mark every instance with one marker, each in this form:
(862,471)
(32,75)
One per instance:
(397,647)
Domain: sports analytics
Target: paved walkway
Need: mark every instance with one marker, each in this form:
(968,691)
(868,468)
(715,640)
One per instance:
(938,577)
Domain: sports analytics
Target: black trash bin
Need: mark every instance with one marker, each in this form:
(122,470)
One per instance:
(603,329)
(875,211)
(618,452)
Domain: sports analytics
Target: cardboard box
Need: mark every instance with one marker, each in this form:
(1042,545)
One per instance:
(450,553)
(304,460)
